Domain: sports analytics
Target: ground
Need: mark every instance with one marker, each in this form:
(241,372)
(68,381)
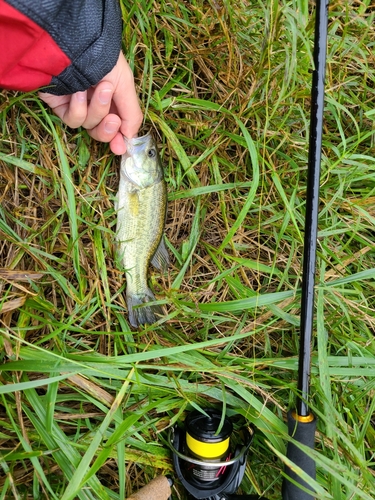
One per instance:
(86,402)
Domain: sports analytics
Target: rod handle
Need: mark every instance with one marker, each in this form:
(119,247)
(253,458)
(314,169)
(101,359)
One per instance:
(304,433)
(157,489)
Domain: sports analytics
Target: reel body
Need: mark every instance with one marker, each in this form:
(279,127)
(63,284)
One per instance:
(203,459)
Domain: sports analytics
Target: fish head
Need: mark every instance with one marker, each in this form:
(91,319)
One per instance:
(141,163)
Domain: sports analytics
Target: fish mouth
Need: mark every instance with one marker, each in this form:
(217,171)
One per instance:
(139,140)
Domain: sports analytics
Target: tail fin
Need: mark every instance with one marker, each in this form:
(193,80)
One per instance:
(144,314)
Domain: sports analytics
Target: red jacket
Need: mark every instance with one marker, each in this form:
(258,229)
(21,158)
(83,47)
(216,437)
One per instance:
(64,45)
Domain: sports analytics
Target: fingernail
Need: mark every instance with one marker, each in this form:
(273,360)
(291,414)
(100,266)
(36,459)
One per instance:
(105,96)
(81,96)
(111,127)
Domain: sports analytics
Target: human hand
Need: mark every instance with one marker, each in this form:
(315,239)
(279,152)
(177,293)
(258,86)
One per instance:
(108,110)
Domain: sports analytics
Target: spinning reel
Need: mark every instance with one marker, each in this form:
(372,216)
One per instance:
(203,459)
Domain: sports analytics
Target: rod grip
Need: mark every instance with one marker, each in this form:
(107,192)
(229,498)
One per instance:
(304,433)
(157,489)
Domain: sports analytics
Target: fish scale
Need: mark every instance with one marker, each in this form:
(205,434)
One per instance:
(142,234)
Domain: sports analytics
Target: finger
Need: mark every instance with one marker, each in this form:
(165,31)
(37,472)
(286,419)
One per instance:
(99,105)
(54,101)
(72,109)
(126,100)
(107,129)
(117,144)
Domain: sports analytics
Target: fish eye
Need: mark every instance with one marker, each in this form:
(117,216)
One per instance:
(151,153)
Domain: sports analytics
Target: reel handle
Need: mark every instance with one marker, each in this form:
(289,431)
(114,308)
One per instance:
(157,489)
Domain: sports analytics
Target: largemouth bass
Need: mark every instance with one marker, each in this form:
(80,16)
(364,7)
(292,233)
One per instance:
(141,209)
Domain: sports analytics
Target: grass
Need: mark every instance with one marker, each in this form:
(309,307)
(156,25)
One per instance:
(86,403)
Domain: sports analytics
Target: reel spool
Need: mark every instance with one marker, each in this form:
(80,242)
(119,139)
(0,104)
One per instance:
(203,459)
(205,444)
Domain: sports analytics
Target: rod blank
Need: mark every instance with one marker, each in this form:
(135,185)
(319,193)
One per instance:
(312,206)
(301,423)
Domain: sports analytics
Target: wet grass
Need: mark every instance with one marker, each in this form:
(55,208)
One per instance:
(86,402)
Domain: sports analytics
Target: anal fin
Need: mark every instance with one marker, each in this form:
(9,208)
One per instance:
(160,260)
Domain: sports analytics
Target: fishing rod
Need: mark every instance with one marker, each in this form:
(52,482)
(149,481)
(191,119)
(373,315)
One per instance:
(301,421)
(202,457)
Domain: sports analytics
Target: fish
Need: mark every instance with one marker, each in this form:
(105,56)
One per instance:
(141,213)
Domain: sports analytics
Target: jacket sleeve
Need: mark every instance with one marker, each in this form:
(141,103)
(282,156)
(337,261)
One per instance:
(64,46)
